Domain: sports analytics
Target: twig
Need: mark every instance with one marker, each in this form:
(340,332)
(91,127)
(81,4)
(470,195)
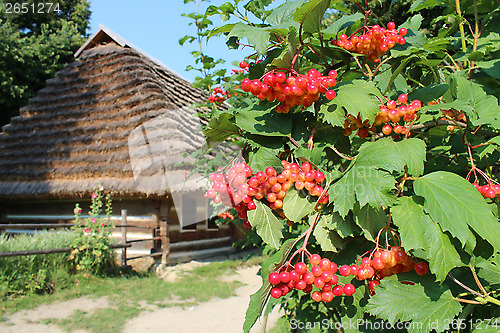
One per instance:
(341,155)
(464,286)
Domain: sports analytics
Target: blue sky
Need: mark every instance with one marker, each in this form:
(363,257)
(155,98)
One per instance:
(155,27)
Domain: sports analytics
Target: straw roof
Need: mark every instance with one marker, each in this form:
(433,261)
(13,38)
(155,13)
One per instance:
(114,117)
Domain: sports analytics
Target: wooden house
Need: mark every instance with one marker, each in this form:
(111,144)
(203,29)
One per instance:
(119,119)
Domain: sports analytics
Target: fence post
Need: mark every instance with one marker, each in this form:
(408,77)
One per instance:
(124,237)
(165,243)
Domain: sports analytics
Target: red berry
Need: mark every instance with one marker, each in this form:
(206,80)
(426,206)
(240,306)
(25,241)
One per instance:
(251,205)
(403,98)
(274,278)
(372,285)
(421,268)
(402,32)
(276,292)
(349,289)
(325,264)
(308,278)
(285,277)
(330,94)
(319,283)
(345,270)
(301,268)
(327,296)
(300,285)
(316,271)
(354,270)
(391,25)
(338,290)
(315,258)
(243,64)
(316,296)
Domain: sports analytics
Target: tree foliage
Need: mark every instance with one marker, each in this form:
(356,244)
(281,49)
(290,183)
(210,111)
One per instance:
(424,178)
(34,46)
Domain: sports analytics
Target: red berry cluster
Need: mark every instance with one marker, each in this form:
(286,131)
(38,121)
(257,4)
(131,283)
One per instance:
(488,191)
(390,114)
(230,187)
(394,111)
(374,42)
(239,186)
(382,263)
(226,214)
(453,114)
(244,67)
(352,124)
(219,95)
(321,275)
(291,89)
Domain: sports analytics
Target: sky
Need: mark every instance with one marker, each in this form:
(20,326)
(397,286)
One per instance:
(155,27)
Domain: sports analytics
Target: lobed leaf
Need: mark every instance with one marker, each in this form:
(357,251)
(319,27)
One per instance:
(296,205)
(395,302)
(393,156)
(358,97)
(258,37)
(267,225)
(455,204)
(364,184)
(325,234)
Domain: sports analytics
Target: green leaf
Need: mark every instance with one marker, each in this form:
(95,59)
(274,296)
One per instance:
(441,253)
(492,67)
(220,128)
(220,30)
(429,93)
(285,12)
(365,184)
(296,205)
(342,23)
(262,158)
(407,216)
(487,325)
(395,301)
(489,270)
(455,204)
(325,234)
(268,227)
(258,37)
(371,220)
(393,156)
(262,120)
(485,107)
(259,299)
(332,113)
(359,97)
(310,14)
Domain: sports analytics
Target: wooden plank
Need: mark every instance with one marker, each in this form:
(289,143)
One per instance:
(124,237)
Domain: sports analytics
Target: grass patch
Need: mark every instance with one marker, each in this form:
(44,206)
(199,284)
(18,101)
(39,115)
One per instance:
(109,320)
(127,290)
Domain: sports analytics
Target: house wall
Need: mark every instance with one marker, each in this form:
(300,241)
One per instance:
(153,212)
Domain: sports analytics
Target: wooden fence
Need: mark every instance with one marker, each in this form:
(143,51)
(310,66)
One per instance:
(158,232)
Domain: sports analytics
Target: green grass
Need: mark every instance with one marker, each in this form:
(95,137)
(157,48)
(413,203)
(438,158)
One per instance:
(126,291)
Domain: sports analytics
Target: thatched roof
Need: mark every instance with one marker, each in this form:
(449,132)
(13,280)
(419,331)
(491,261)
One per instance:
(114,117)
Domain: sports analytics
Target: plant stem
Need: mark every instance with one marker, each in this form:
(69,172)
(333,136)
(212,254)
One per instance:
(461,26)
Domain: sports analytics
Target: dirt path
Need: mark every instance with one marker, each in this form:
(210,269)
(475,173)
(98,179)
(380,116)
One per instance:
(218,315)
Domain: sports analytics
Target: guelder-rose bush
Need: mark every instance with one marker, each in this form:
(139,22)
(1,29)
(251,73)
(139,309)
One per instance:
(369,135)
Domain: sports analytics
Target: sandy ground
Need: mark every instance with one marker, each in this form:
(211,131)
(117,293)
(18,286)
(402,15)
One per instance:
(218,315)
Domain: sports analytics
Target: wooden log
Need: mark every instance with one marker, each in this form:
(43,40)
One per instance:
(165,243)
(124,237)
